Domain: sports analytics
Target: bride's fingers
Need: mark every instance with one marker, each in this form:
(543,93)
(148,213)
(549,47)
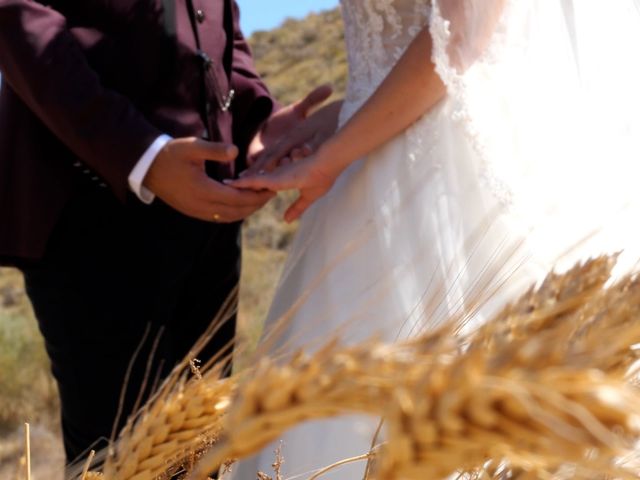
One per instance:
(296,154)
(295,211)
(307,150)
(276,181)
(252,182)
(301,152)
(285,161)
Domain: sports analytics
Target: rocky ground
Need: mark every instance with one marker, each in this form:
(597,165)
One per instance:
(47,458)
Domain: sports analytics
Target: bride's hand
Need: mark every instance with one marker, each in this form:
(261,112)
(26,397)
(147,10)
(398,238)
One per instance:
(307,176)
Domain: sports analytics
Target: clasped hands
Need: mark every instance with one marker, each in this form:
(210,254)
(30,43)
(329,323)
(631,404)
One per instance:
(279,158)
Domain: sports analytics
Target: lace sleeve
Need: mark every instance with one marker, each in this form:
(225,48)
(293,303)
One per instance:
(462,31)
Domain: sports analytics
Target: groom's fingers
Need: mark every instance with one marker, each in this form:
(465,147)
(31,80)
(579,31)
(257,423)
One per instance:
(178,177)
(317,96)
(270,159)
(252,182)
(223,194)
(200,150)
(210,211)
(219,213)
(279,180)
(282,154)
(291,149)
(217,152)
(226,205)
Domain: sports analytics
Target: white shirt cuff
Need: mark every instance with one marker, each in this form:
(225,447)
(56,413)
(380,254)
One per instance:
(139,172)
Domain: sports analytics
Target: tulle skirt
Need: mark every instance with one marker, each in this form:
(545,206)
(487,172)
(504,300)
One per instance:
(409,237)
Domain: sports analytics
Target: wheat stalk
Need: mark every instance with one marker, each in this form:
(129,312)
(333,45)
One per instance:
(87,465)
(27,450)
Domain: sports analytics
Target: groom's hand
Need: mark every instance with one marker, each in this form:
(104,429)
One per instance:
(284,121)
(178,178)
(298,142)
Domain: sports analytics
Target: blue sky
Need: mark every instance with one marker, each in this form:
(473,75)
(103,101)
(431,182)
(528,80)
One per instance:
(266,14)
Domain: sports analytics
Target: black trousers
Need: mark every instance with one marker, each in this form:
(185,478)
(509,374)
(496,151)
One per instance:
(112,273)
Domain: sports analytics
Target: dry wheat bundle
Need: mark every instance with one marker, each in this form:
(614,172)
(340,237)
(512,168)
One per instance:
(572,318)
(548,306)
(334,381)
(181,420)
(182,423)
(187,417)
(534,387)
(444,416)
(540,385)
(463,414)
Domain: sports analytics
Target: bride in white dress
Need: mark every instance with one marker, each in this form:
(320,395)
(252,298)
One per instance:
(481,142)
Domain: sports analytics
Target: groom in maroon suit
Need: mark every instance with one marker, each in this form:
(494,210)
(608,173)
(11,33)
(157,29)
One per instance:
(118,122)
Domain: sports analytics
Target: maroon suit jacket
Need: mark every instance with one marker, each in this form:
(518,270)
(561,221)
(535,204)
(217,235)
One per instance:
(92,82)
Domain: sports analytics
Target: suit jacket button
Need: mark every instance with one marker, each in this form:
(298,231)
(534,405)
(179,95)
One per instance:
(200,16)
(206,60)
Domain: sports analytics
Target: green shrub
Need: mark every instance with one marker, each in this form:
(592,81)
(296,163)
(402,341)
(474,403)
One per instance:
(27,390)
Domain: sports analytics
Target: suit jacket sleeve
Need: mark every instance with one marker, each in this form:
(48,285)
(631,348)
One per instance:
(44,64)
(253,103)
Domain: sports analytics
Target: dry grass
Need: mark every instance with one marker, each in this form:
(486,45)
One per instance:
(27,391)
(261,269)
(47,459)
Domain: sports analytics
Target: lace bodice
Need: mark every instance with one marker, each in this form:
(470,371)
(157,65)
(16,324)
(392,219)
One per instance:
(377,34)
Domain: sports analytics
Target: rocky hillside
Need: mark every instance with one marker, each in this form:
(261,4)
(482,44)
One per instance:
(302,54)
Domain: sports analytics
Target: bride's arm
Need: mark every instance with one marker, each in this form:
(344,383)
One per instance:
(411,89)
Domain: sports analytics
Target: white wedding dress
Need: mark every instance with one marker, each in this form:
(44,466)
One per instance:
(525,165)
